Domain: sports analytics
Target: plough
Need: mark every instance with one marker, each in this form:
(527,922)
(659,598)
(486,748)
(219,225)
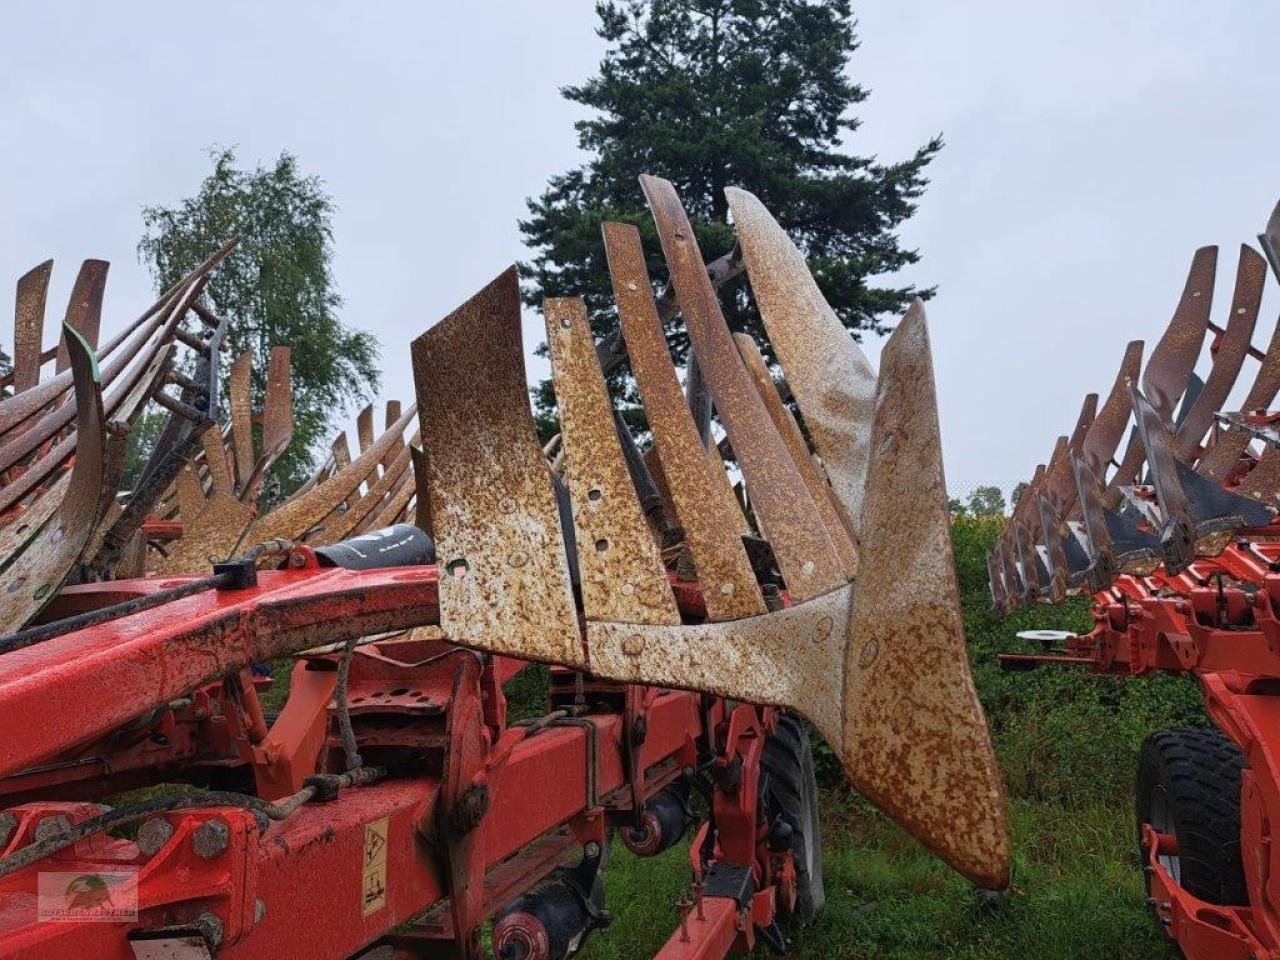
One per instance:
(390,809)
(1177,542)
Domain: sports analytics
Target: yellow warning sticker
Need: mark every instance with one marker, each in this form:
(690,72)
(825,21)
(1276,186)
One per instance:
(373,890)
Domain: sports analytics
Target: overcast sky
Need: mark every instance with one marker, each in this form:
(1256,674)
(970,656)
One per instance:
(1091,147)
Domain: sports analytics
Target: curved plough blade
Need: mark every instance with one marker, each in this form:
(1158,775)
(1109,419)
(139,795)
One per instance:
(877,662)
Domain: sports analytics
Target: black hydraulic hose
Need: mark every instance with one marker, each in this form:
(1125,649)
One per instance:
(33,635)
(121,816)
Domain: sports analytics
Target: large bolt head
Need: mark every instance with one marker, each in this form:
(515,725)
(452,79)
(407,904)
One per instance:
(211,838)
(153,835)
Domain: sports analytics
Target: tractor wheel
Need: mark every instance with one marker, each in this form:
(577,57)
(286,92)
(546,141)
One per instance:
(791,792)
(1189,785)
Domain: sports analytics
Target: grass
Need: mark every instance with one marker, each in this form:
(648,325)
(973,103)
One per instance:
(1077,894)
(1067,742)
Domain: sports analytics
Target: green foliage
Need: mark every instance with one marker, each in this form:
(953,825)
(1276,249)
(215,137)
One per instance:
(139,444)
(1016,493)
(714,93)
(986,502)
(276,289)
(1061,734)
(1077,895)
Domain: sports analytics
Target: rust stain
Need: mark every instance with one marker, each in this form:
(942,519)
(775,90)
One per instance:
(213,535)
(215,459)
(239,387)
(915,741)
(711,531)
(1225,453)
(782,505)
(504,583)
(1104,434)
(33,577)
(1232,348)
(84,308)
(1174,357)
(792,657)
(830,377)
(28,326)
(622,575)
(815,482)
(292,519)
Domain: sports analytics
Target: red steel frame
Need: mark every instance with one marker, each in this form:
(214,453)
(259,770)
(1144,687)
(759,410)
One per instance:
(470,804)
(1219,620)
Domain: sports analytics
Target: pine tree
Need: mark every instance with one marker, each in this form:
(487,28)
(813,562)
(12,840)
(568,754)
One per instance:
(713,93)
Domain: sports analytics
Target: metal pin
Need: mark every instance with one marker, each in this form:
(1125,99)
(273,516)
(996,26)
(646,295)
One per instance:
(684,903)
(698,887)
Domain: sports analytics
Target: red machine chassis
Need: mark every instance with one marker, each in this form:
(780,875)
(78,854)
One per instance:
(1219,620)
(462,812)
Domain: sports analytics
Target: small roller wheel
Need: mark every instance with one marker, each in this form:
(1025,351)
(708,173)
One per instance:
(1189,786)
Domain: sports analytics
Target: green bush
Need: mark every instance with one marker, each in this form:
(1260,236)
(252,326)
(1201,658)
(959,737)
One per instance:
(1061,733)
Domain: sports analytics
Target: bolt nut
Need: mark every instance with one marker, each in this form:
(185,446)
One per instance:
(591,850)
(47,827)
(633,645)
(211,839)
(153,835)
(210,928)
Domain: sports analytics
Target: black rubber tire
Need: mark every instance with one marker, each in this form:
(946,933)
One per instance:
(1191,780)
(791,791)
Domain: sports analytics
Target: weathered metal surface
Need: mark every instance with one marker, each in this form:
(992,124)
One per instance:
(880,669)
(995,577)
(1232,348)
(1171,364)
(792,657)
(620,568)
(84,309)
(33,577)
(240,402)
(190,494)
(25,442)
(781,503)
(341,451)
(28,326)
(212,535)
(393,511)
(505,576)
(1174,357)
(826,370)
(814,481)
(1270,241)
(215,459)
(915,741)
(292,519)
(341,525)
(277,422)
(1107,428)
(1053,529)
(364,428)
(22,529)
(711,531)
(1224,455)
(392,415)
(84,312)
